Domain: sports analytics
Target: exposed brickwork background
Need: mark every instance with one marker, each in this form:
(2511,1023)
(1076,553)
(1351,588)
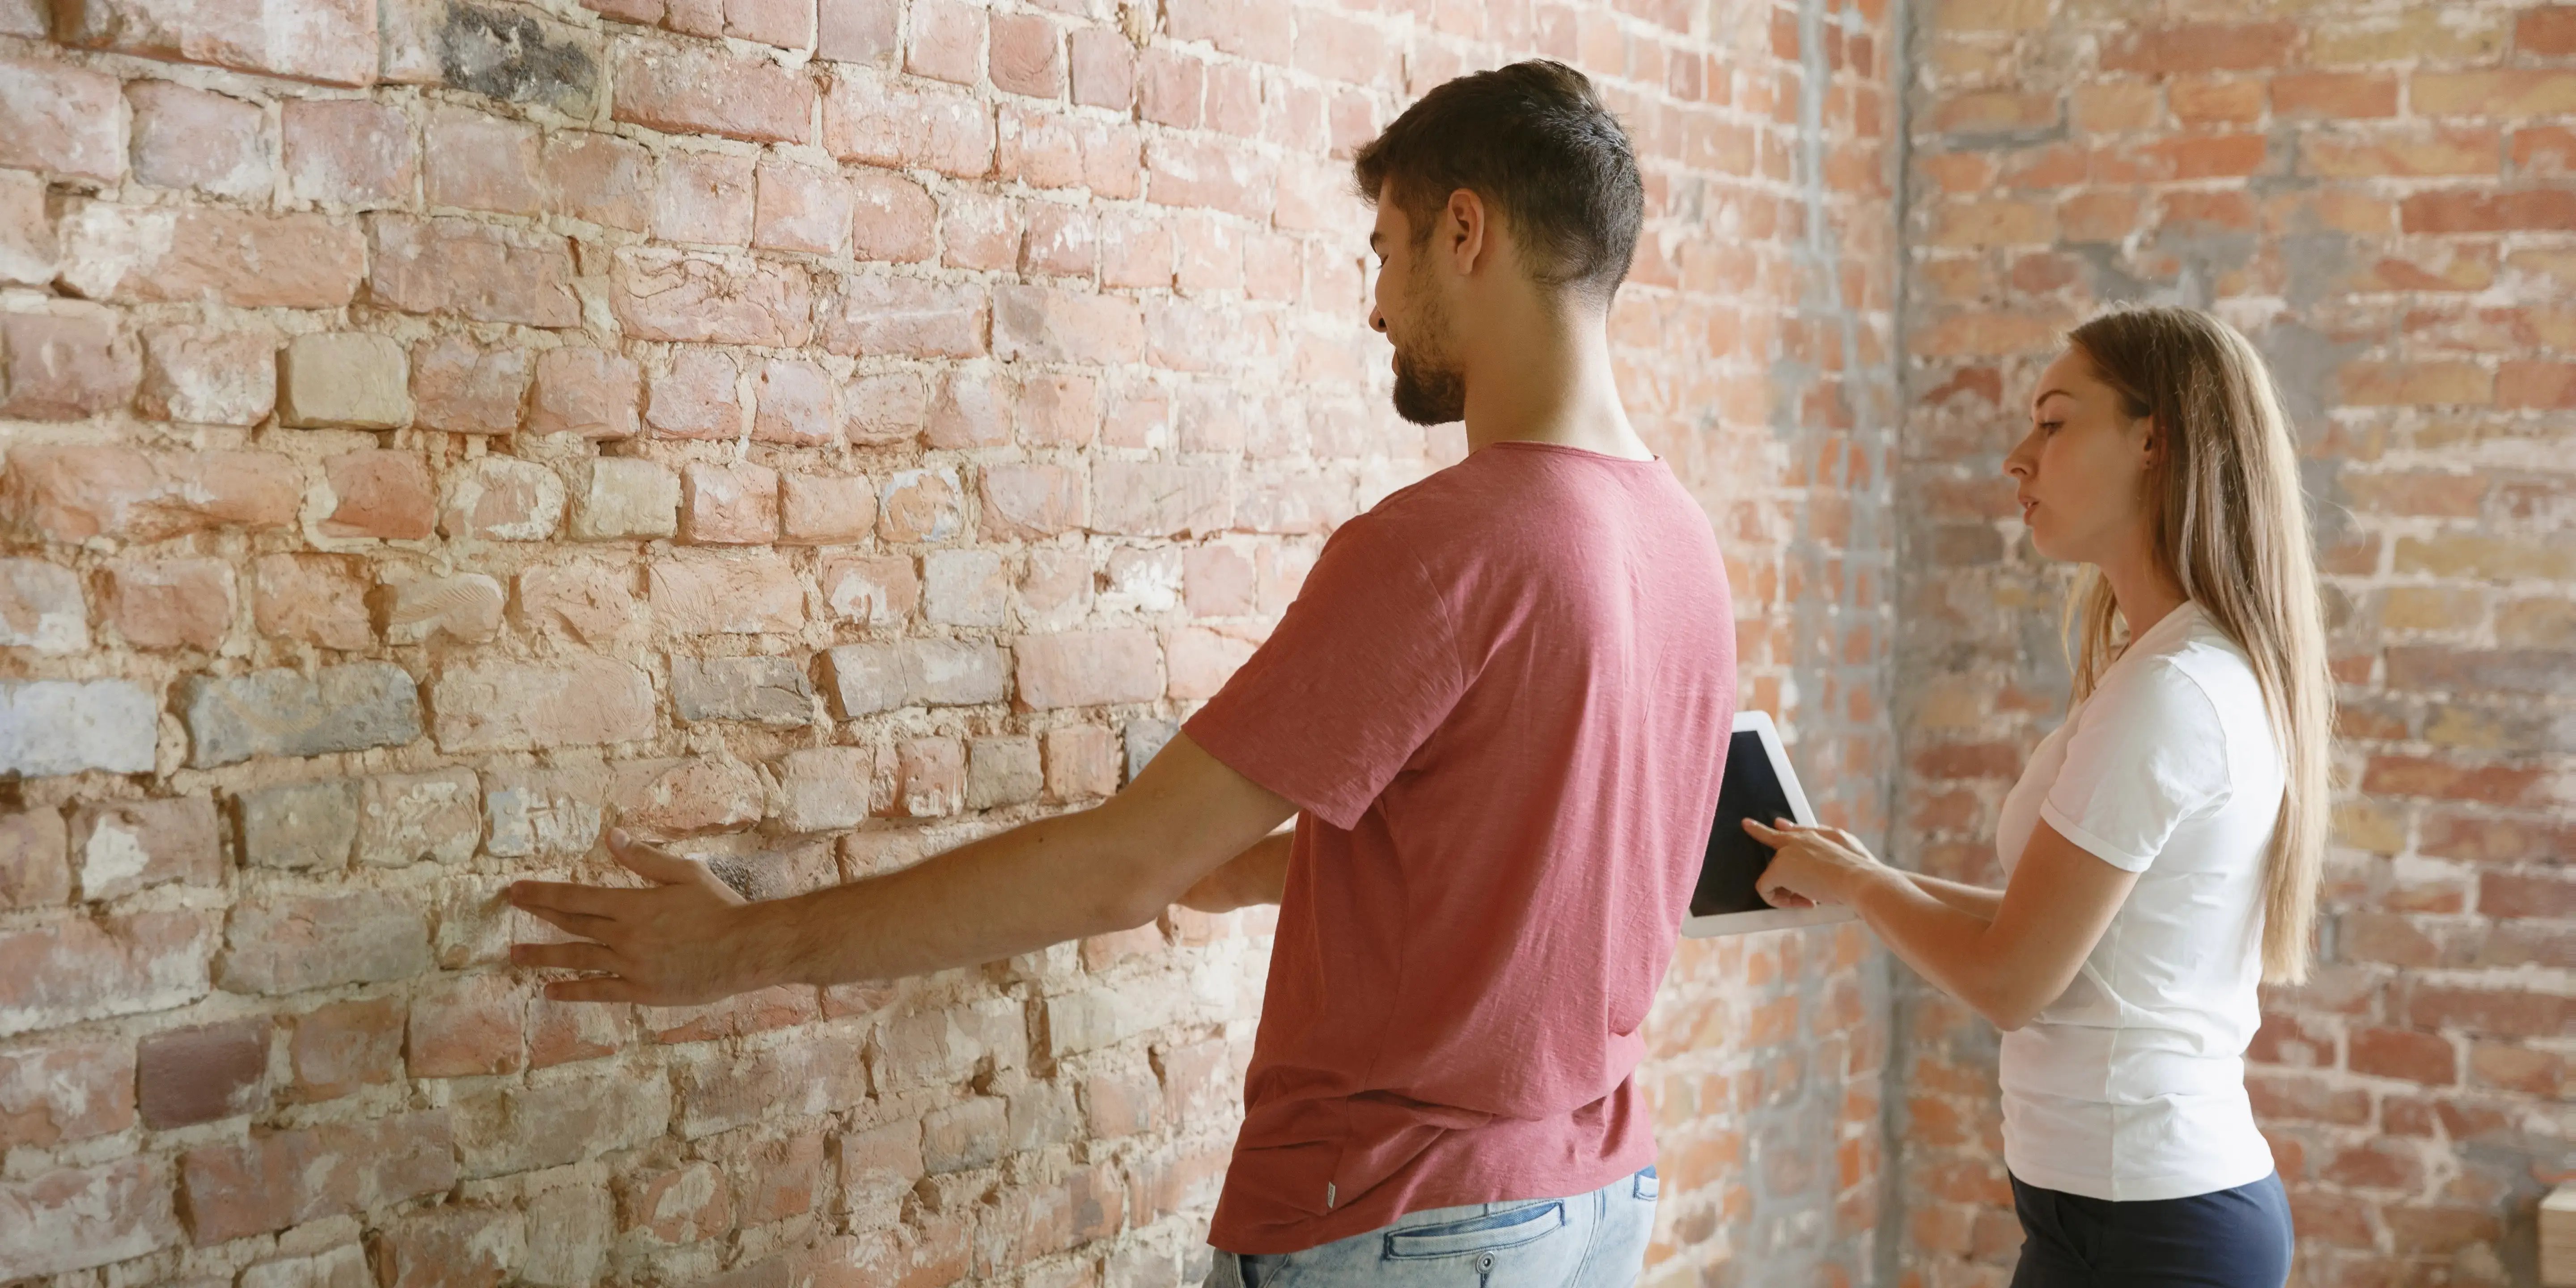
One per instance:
(430,431)
(2381,196)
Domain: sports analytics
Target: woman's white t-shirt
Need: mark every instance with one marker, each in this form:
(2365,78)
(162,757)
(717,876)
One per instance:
(2131,1085)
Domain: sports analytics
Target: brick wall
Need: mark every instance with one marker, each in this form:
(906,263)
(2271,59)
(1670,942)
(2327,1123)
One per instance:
(2381,197)
(823,434)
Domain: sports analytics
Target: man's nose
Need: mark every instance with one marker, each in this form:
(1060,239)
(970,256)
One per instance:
(1377,320)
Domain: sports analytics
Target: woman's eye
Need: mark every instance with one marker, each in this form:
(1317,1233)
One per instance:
(2050,426)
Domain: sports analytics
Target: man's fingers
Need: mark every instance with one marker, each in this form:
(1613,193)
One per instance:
(607,988)
(587,927)
(655,865)
(591,957)
(541,897)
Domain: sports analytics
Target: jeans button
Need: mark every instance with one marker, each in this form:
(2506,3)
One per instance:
(1485,1262)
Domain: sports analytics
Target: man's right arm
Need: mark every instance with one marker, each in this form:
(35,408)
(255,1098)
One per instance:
(1257,875)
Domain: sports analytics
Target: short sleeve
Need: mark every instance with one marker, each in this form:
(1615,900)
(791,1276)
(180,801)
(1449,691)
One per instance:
(2148,752)
(1360,671)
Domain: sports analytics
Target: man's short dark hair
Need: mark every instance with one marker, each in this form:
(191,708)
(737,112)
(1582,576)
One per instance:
(1533,140)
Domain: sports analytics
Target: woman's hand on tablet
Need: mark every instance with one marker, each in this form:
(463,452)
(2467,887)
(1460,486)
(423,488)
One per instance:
(1809,865)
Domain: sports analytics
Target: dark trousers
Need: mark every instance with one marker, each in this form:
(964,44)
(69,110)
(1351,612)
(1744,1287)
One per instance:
(2237,1238)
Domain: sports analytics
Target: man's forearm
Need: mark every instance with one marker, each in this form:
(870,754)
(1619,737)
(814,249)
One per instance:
(1037,884)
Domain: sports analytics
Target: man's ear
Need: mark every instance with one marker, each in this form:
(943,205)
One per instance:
(1466,230)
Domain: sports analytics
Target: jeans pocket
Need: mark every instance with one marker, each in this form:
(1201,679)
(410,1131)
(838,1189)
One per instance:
(1491,1232)
(1646,1185)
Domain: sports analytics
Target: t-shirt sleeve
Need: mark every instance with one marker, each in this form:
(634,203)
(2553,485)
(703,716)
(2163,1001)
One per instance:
(1361,669)
(2148,753)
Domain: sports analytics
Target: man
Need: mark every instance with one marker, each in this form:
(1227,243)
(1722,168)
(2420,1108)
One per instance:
(1498,710)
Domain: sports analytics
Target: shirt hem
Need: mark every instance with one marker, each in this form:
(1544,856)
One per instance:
(2173,1185)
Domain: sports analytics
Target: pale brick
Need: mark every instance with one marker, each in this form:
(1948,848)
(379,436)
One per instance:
(407,818)
(73,493)
(973,409)
(965,587)
(729,505)
(868,678)
(699,397)
(1047,324)
(65,366)
(1030,502)
(881,590)
(892,218)
(468,1026)
(858,31)
(281,942)
(35,872)
(724,1089)
(464,607)
(341,1267)
(299,825)
(52,1095)
(703,197)
(686,797)
(41,607)
(66,120)
(825,510)
(544,813)
(1216,581)
(885,407)
(29,251)
(493,706)
(69,969)
(188,138)
(208,375)
(283,713)
(504,1129)
(312,599)
(439,1246)
(907,124)
(626,499)
(50,727)
(800,208)
(501,498)
(77,1217)
(1002,771)
(165,255)
(792,404)
(973,1133)
(874,315)
(764,690)
(1056,590)
(1144,498)
(343,379)
(580,600)
(171,603)
(827,789)
(599,178)
(920,505)
(1088,668)
(579,1226)
(463,389)
(483,272)
(339,1048)
(878,1167)
(590,392)
(1143,740)
(348,152)
(713,594)
(379,493)
(118,847)
(331,41)
(1202,660)
(278,1179)
(703,297)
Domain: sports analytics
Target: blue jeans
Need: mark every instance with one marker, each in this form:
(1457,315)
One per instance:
(2237,1238)
(1595,1240)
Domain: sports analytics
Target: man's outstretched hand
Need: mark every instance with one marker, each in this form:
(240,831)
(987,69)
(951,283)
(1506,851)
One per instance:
(682,939)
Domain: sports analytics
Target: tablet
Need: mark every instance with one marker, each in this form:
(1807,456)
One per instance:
(1758,785)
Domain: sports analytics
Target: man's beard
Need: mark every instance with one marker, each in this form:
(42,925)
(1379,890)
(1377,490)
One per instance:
(1427,394)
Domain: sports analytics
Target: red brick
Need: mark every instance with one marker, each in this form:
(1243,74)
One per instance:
(65,366)
(172,255)
(671,295)
(703,197)
(2462,210)
(340,1048)
(60,1094)
(2335,95)
(792,404)
(788,24)
(826,510)
(2497,1012)
(884,407)
(1103,68)
(599,178)
(453,1247)
(1027,55)
(798,207)
(2548,31)
(468,1026)
(35,871)
(462,389)
(188,138)
(947,41)
(66,120)
(699,397)
(907,125)
(2527,894)
(859,31)
(2200,47)
(585,391)
(478,162)
(350,152)
(2398,1053)
(381,493)
(503,705)
(73,493)
(278,1179)
(76,1217)
(478,271)
(333,41)
(892,218)
(66,970)
(201,1074)
(1080,669)
(705,90)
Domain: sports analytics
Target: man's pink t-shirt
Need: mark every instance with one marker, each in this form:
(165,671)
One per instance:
(1501,702)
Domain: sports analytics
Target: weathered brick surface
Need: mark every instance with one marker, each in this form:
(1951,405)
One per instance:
(2364,192)
(431,432)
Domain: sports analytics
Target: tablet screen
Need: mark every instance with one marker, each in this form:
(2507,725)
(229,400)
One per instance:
(1749,790)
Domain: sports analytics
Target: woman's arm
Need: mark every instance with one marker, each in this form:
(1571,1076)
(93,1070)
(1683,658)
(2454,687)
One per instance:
(2050,915)
(1976,901)
(1258,875)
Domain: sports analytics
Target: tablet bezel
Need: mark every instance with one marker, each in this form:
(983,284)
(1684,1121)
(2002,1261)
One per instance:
(1738,923)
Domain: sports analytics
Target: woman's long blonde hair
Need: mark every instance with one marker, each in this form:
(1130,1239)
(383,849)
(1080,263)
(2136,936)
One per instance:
(2232,529)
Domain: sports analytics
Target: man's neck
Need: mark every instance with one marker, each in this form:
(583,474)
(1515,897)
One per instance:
(1550,382)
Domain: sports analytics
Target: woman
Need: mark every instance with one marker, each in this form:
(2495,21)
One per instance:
(2161,850)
